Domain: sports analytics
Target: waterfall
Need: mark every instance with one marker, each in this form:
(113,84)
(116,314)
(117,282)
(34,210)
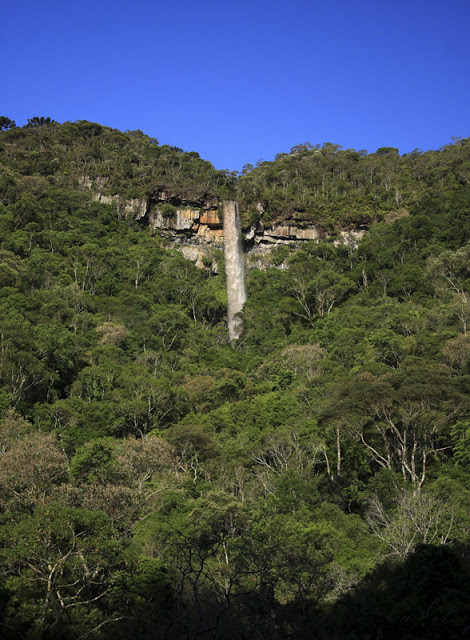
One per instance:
(235,268)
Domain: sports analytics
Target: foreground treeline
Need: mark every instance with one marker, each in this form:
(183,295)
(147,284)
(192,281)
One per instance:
(155,483)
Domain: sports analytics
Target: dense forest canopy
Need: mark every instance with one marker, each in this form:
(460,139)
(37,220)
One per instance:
(336,186)
(155,482)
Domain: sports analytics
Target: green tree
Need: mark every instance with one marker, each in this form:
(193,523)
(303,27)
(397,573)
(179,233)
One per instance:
(6,123)
(57,568)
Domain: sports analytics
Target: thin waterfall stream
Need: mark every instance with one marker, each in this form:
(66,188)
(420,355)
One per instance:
(235,269)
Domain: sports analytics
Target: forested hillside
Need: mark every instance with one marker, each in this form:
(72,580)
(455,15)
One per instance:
(313,481)
(344,187)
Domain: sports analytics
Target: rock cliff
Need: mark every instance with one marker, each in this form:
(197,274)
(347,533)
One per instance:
(196,228)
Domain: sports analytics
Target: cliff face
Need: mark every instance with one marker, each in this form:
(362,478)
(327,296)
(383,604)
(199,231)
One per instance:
(195,232)
(194,226)
(196,229)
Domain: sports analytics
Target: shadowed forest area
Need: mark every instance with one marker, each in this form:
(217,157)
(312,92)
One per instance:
(155,483)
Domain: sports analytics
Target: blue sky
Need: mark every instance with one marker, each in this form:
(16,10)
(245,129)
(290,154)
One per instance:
(243,81)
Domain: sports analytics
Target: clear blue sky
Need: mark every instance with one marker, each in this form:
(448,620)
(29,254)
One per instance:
(242,81)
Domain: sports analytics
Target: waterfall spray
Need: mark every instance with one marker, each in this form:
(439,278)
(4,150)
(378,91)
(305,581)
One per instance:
(235,268)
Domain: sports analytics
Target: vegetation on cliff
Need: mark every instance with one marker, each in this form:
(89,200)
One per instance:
(155,482)
(332,186)
(80,155)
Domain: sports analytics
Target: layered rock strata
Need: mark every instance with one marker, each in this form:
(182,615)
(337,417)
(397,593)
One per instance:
(196,229)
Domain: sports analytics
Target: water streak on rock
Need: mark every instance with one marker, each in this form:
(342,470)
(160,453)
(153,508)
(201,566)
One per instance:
(235,269)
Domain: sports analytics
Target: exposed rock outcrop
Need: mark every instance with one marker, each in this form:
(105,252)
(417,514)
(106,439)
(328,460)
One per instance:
(134,207)
(197,228)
